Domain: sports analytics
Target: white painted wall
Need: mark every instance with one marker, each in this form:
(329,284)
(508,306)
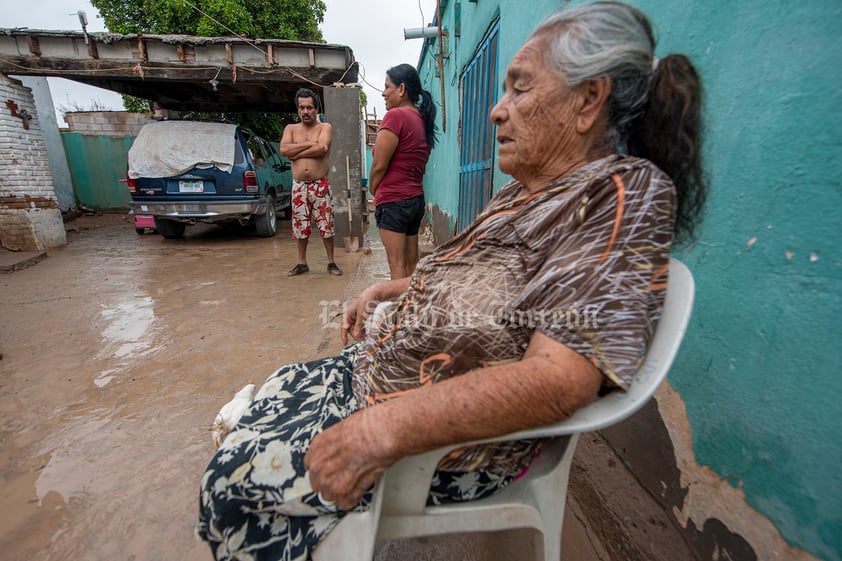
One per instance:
(30,219)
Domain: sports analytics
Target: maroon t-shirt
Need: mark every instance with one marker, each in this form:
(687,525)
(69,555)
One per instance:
(406,168)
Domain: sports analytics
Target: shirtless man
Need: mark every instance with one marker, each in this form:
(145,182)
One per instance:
(307,145)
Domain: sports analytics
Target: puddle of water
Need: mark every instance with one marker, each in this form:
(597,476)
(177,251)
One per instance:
(103,379)
(127,335)
(67,472)
(128,320)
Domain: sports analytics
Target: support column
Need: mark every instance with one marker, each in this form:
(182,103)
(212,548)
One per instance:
(342,111)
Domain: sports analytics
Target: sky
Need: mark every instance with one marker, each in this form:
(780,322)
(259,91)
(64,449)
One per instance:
(373,29)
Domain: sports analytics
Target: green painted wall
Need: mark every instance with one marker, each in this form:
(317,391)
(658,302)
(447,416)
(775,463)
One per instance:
(759,368)
(97,164)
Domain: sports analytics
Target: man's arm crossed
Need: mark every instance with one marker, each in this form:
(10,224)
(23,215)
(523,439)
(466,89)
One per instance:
(309,149)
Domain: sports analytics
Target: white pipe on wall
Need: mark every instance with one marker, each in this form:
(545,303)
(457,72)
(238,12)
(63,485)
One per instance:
(420,32)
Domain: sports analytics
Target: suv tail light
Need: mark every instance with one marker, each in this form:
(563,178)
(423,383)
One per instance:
(250,181)
(130,183)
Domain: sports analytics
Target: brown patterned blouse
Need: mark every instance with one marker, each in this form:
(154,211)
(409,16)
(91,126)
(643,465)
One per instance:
(584,261)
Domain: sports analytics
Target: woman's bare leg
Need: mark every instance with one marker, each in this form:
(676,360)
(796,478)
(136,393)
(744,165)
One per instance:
(411,252)
(395,245)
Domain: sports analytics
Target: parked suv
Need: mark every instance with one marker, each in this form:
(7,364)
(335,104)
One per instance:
(184,172)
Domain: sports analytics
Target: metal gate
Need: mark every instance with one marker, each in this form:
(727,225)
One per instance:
(476,161)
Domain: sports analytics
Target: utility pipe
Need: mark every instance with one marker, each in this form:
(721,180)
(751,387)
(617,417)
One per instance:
(441,68)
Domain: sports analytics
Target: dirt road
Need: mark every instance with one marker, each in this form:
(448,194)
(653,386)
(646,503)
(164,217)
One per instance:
(117,351)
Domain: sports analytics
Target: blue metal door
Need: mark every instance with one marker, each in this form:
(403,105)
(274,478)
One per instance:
(479,94)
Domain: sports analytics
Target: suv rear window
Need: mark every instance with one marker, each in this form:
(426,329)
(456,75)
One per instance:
(171,148)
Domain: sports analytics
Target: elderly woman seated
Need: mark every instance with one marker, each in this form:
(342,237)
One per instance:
(547,298)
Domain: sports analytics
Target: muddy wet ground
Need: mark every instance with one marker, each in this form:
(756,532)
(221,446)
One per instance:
(117,352)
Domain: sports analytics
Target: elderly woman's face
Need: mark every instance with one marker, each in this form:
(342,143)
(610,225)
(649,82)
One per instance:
(535,119)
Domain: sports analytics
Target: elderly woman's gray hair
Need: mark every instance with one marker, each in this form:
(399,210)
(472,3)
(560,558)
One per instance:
(654,110)
(604,39)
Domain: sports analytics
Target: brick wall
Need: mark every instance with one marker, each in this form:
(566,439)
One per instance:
(29,216)
(106,123)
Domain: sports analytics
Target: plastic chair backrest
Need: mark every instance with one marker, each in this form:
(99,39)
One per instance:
(616,406)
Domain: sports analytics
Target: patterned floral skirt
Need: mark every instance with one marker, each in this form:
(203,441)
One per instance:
(256,503)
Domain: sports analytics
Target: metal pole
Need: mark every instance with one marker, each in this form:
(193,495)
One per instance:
(441,69)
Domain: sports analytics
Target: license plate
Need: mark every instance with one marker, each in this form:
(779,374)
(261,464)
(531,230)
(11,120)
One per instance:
(191,186)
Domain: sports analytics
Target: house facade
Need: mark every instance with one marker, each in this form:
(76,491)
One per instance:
(741,447)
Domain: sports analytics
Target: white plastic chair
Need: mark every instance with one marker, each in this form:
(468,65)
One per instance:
(537,499)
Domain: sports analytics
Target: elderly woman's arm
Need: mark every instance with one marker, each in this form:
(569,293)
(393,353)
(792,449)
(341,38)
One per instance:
(547,385)
(359,308)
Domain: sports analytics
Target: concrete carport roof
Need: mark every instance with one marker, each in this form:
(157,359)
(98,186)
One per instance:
(182,72)
(212,74)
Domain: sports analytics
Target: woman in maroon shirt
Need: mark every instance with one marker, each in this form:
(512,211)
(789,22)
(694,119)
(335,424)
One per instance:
(403,145)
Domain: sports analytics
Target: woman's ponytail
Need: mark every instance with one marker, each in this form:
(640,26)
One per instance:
(428,112)
(669,134)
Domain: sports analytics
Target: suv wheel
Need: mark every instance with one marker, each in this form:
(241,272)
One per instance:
(266,224)
(170,229)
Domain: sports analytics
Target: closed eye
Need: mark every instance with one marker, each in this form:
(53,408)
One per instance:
(513,89)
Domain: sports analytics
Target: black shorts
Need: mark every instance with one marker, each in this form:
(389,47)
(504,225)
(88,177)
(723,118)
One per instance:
(403,217)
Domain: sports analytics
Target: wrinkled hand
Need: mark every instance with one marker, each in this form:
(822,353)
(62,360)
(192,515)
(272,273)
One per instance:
(356,312)
(345,460)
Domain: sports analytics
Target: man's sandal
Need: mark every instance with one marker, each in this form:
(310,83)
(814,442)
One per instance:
(298,269)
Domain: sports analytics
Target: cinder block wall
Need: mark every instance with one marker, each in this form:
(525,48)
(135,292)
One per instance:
(30,219)
(106,123)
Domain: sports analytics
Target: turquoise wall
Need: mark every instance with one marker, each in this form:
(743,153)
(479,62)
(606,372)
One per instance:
(759,367)
(758,370)
(97,164)
(441,181)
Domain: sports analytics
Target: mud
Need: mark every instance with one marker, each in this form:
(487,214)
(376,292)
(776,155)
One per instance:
(116,352)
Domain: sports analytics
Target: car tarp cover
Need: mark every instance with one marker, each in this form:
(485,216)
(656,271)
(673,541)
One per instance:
(168,148)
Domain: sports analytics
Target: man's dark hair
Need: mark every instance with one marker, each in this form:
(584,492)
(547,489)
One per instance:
(304,92)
